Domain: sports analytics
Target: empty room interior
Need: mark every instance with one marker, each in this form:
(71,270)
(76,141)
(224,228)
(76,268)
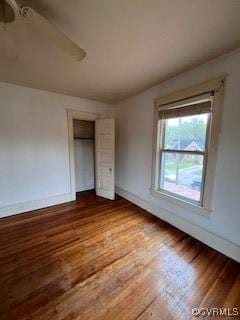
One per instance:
(119,159)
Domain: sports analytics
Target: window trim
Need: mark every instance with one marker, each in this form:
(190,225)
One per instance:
(217,86)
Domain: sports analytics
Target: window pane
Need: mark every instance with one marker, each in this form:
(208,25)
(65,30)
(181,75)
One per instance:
(186,133)
(181,174)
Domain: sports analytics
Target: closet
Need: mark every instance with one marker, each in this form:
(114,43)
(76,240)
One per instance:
(84,154)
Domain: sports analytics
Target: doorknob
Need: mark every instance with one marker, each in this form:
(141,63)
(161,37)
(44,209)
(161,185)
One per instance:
(110,170)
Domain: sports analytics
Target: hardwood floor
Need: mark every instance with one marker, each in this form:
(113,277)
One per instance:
(98,259)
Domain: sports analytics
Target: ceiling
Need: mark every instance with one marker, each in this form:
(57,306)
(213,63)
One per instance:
(130,44)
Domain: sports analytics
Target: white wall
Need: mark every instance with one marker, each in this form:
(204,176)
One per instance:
(134,127)
(34,157)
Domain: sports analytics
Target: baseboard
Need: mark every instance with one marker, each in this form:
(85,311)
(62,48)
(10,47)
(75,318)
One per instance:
(85,188)
(34,205)
(214,241)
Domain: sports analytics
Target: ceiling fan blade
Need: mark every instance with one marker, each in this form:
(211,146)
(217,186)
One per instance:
(13,4)
(34,19)
(9,11)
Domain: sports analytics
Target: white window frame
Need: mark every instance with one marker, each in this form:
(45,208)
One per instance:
(217,87)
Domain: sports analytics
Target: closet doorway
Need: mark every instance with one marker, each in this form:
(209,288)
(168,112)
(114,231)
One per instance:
(91,153)
(84,146)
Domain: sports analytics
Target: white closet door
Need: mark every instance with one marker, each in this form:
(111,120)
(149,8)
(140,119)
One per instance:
(105,157)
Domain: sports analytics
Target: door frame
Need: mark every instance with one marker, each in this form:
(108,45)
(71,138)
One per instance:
(78,115)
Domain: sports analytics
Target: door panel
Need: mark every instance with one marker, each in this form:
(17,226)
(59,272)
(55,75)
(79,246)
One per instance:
(105,154)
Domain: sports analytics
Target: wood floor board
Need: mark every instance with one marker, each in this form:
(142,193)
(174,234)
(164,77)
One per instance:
(100,259)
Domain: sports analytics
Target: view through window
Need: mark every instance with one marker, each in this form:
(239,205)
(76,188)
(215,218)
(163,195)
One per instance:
(183,152)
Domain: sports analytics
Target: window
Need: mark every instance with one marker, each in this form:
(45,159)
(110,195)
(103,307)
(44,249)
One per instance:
(186,147)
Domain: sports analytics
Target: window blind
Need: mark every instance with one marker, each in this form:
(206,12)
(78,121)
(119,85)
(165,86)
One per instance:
(186,107)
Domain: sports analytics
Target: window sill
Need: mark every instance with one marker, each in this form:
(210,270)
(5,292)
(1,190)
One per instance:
(182,203)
